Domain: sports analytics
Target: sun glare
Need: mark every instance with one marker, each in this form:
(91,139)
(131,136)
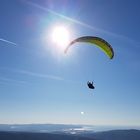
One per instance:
(82,113)
(60,36)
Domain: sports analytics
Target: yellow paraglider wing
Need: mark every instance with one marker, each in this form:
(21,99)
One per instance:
(99,42)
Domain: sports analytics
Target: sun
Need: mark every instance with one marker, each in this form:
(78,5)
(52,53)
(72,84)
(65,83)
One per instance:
(60,36)
(82,113)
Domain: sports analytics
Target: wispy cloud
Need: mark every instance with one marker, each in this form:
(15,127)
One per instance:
(38,75)
(3,79)
(31,73)
(49,76)
(7,41)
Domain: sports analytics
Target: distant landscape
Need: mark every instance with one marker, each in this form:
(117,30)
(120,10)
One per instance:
(64,132)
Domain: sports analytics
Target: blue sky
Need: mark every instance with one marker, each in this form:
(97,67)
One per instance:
(40,85)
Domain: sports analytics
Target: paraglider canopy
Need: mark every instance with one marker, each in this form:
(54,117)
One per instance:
(99,42)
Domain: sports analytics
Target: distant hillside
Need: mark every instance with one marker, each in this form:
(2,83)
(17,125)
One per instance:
(115,135)
(39,127)
(38,136)
(106,135)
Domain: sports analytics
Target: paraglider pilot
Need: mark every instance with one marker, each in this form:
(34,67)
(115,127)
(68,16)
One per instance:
(90,85)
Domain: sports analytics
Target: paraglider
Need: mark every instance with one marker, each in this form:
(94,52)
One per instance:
(96,41)
(90,85)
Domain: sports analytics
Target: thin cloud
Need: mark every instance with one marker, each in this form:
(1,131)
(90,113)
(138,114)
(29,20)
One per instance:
(30,73)
(40,75)
(47,76)
(7,41)
(5,80)
(11,80)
